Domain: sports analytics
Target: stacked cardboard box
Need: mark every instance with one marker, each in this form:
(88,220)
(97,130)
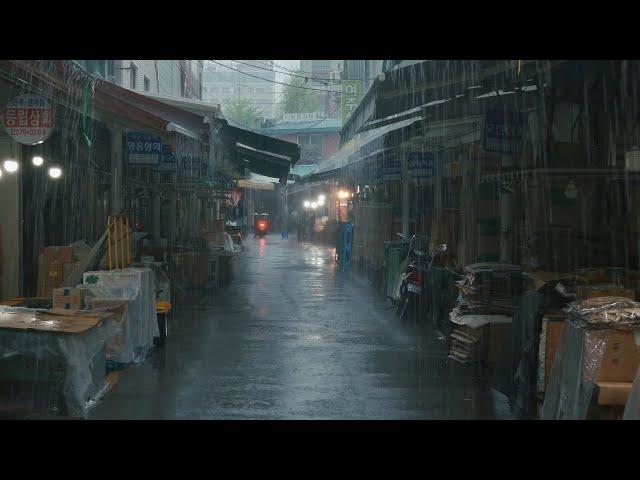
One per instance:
(215,234)
(469,344)
(54,360)
(68,298)
(583,292)
(491,288)
(477,338)
(56,263)
(599,344)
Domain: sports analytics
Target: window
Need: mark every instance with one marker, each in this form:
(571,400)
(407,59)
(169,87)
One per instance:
(133,76)
(147,84)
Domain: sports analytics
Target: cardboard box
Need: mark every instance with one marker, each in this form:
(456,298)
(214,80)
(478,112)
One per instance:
(196,268)
(67,268)
(554,333)
(621,358)
(68,298)
(116,344)
(604,291)
(217,226)
(613,393)
(55,274)
(216,238)
(61,254)
(499,341)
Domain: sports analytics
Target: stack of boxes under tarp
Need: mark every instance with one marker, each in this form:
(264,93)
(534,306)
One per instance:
(131,293)
(55,362)
(56,263)
(596,360)
(52,363)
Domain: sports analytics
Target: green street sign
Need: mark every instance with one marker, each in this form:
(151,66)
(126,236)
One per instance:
(350,96)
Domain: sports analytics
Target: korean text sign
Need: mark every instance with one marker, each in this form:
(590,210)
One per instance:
(143,149)
(350,97)
(29,119)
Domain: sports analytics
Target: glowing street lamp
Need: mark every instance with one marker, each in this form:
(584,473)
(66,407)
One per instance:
(37,161)
(314,205)
(55,172)
(11,166)
(307,204)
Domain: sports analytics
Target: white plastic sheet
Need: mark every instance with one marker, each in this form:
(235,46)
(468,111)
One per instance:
(83,382)
(135,287)
(632,409)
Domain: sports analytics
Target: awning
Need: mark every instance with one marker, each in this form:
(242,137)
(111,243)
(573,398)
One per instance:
(164,116)
(260,153)
(264,163)
(351,151)
(256,185)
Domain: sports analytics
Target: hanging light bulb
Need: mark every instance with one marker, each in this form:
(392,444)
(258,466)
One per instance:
(37,161)
(11,166)
(55,172)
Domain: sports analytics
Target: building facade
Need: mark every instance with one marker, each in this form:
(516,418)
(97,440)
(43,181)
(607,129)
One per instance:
(172,78)
(250,80)
(318,140)
(326,75)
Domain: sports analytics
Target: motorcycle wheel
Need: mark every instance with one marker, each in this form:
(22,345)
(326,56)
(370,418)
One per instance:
(401,311)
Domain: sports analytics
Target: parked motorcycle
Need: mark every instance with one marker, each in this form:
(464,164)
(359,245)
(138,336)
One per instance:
(411,290)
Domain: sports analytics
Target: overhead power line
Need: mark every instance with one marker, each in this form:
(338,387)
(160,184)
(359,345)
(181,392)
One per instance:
(306,77)
(273,81)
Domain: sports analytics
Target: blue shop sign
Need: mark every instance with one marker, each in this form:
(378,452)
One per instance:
(143,149)
(420,164)
(391,169)
(168,160)
(503,132)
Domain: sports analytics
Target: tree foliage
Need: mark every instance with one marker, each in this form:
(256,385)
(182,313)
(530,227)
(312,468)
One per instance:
(242,111)
(297,100)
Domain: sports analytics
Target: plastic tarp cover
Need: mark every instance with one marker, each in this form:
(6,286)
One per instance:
(525,337)
(632,409)
(82,388)
(578,359)
(135,287)
(573,376)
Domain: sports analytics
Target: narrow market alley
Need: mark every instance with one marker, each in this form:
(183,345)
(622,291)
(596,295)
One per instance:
(294,338)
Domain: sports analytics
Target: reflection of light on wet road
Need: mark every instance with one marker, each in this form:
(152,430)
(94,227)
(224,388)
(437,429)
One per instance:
(261,243)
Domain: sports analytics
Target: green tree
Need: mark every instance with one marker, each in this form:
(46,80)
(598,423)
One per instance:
(241,111)
(297,100)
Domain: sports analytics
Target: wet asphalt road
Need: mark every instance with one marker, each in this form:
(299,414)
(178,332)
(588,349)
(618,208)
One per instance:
(294,338)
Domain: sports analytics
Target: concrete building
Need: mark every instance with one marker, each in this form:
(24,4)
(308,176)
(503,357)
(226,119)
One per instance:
(328,74)
(318,140)
(252,80)
(174,78)
(363,70)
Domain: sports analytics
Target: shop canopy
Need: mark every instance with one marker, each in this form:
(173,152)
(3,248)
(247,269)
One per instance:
(260,153)
(150,111)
